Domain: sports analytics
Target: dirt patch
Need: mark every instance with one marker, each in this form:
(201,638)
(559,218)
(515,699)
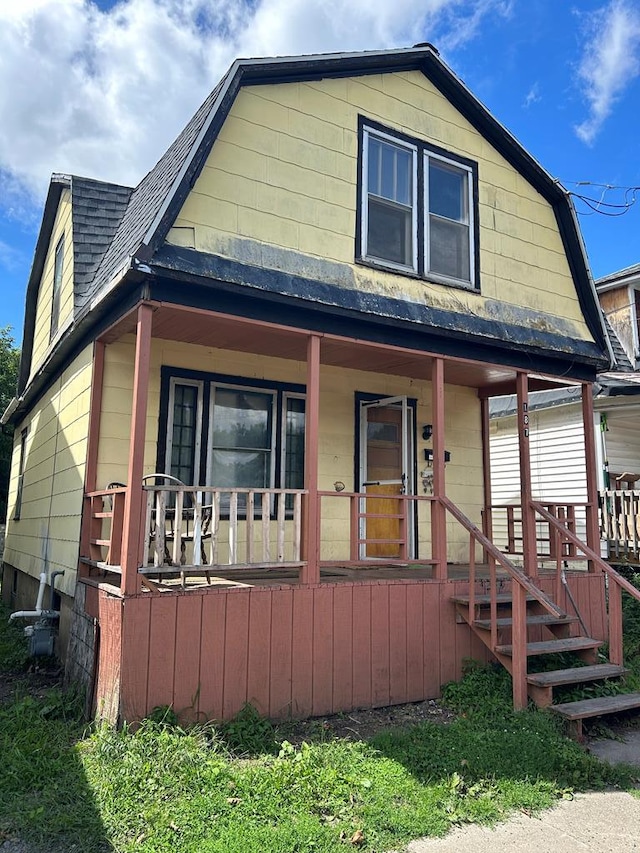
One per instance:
(364,723)
(36,682)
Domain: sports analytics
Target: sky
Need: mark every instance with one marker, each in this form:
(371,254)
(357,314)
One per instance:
(100,89)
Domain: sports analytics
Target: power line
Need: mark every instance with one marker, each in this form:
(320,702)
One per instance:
(628,197)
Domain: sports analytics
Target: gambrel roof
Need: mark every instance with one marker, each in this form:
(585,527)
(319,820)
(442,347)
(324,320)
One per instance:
(130,235)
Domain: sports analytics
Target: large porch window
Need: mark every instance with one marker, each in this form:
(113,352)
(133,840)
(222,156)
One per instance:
(236,433)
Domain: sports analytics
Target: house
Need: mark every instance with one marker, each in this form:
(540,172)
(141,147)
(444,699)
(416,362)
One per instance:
(620,299)
(558,468)
(252,422)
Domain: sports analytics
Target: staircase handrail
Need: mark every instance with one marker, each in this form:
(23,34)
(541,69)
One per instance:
(586,550)
(515,573)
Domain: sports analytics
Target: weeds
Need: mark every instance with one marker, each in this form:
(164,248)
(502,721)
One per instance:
(248,733)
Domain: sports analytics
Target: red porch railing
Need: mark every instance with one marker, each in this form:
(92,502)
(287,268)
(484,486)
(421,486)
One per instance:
(615,582)
(504,526)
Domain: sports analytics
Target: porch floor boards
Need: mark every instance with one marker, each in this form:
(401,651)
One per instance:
(195,576)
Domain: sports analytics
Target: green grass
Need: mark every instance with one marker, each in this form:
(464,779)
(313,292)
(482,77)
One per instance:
(242,787)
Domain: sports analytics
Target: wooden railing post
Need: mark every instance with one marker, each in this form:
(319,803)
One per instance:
(310,573)
(133,511)
(529,542)
(593,534)
(519,643)
(438,512)
(487,521)
(88,526)
(616,653)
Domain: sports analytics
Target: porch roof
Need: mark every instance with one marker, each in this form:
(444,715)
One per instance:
(244,334)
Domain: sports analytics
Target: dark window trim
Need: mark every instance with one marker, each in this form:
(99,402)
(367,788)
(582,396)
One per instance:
(423,148)
(281,391)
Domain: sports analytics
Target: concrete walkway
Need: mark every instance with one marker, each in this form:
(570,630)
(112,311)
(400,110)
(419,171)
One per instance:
(606,822)
(599,823)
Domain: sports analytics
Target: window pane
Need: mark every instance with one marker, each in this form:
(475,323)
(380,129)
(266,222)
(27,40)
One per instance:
(380,431)
(374,156)
(449,248)
(389,236)
(294,444)
(242,469)
(183,443)
(390,171)
(242,419)
(448,191)
(404,161)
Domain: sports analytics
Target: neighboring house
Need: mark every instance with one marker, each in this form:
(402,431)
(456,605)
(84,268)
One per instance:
(558,466)
(619,295)
(297,318)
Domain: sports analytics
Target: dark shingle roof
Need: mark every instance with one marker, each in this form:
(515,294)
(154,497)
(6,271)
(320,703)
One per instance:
(98,209)
(148,197)
(622,359)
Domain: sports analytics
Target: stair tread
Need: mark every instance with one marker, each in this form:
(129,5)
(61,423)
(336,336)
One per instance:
(503,598)
(570,644)
(542,619)
(596,707)
(576,674)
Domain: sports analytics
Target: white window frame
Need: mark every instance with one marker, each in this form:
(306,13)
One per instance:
(194,383)
(462,167)
(274,426)
(413,149)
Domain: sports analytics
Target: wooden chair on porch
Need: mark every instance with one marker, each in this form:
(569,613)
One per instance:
(173,527)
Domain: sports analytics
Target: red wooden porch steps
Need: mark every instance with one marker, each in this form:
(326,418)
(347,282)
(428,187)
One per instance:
(540,685)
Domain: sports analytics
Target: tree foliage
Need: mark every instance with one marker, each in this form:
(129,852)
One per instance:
(9,362)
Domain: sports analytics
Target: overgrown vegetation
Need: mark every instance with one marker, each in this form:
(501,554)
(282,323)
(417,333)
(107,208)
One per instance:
(9,363)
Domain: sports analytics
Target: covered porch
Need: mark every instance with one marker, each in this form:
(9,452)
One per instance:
(354,585)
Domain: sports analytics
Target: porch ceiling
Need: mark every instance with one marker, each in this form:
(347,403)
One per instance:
(210,329)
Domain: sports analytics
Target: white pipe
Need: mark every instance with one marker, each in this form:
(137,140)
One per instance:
(27,614)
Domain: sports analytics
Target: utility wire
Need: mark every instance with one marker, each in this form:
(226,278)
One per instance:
(600,205)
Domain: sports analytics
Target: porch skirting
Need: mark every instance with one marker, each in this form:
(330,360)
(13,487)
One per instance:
(292,651)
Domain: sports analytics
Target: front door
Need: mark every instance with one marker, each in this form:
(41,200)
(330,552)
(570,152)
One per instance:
(385,463)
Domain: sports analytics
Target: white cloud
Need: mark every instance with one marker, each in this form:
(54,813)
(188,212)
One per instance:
(533,96)
(102,92)
(610,61)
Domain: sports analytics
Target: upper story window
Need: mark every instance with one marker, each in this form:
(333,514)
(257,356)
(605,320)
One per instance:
(418,208)
(57,287)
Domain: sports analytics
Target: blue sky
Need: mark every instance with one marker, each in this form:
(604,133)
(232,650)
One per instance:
(101,89)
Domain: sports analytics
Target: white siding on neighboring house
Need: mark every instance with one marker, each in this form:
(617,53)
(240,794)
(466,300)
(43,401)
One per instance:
(622,440)
(558,470)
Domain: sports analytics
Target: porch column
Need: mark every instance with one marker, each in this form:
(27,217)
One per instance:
(438,512)
(593,529)
(529,543)
(93,438)
(310,573)
(487,526)
(133,506)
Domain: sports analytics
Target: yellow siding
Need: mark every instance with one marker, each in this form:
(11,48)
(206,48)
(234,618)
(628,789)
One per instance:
(283,172)
(46,537)
(337,428)
(62,226)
